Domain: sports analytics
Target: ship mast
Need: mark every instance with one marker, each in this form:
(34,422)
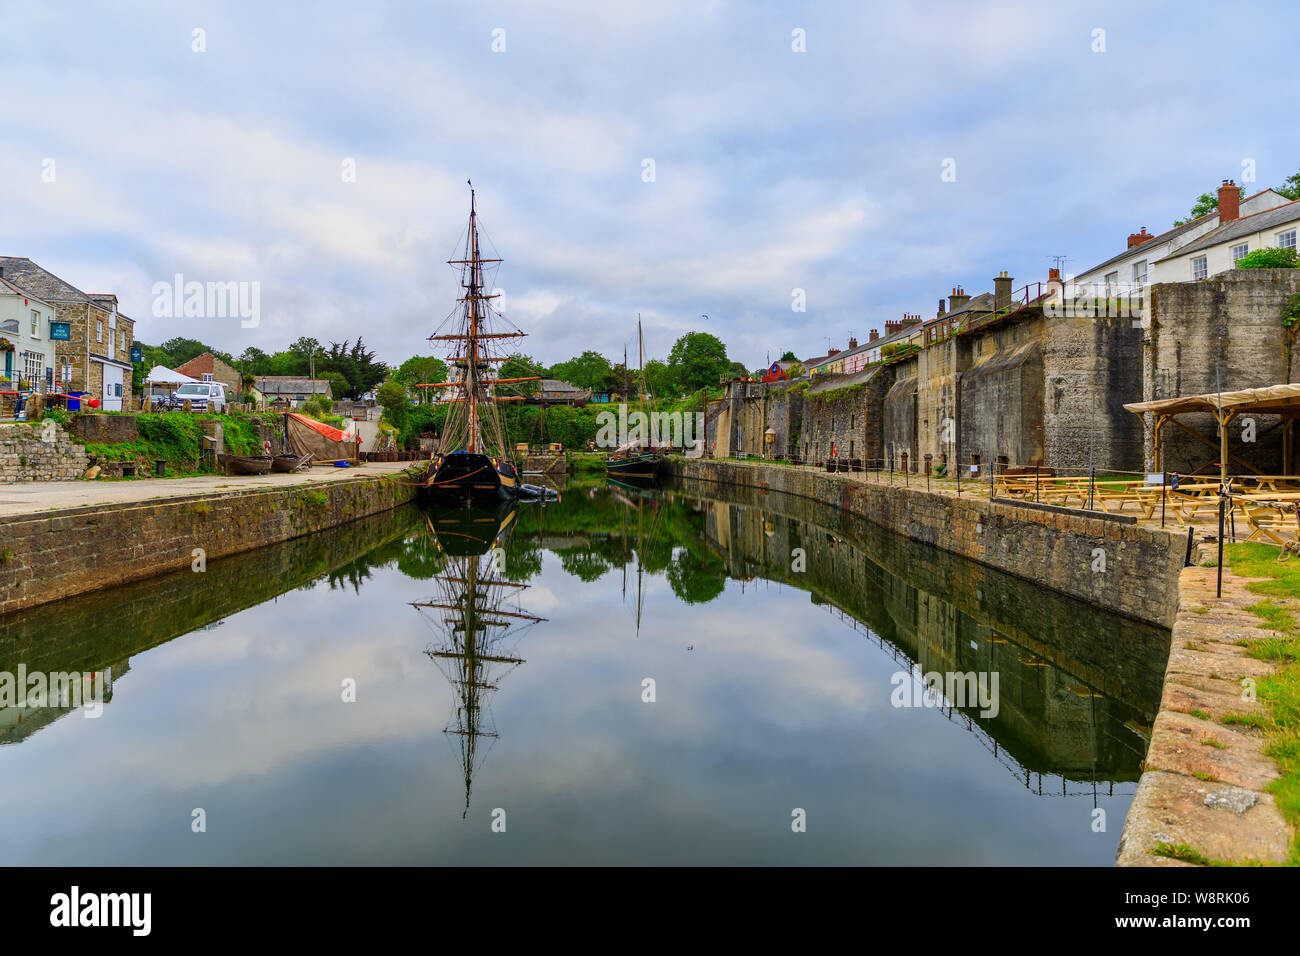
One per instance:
(473,423)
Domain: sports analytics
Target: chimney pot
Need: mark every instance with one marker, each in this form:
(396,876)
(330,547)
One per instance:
(1229,202)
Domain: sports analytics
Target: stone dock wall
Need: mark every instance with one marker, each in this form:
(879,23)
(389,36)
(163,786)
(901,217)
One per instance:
(50,556)
(1112,564)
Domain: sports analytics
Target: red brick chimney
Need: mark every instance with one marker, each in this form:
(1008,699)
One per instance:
(1229,202)
(873,336)
(1134,239)
(891,326)
(853,343)
(832,352)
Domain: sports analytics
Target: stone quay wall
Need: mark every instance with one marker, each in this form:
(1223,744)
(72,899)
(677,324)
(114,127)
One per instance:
(54,555)
(26,456)
(1059,549)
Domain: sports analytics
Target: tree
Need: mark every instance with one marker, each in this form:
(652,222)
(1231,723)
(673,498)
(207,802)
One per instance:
(588,370)
(397,405)
(698,360)
(739,371)
(788,357)
(1205,204)
(338,384)
(180,350)
(519,365)
(659,379)
(1290,187)
(421,370)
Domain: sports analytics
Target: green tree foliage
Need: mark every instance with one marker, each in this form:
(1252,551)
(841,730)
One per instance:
(698,360)
(181,350)
(397,405)
(519,365)
(588,370)
(659,379)
(419,369)
(1269,259)
(1290,187)
(788,357)
(1206,203)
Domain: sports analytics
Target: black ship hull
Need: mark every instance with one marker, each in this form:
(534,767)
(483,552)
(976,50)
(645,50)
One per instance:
(462,476)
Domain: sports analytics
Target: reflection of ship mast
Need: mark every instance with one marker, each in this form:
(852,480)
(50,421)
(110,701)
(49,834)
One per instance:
(640,542)
(475,640)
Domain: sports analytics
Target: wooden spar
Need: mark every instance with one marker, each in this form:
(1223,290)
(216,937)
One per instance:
(481,335)
(488,381)
(499,398)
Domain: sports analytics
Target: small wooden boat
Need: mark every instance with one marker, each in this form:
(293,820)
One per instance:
(245,464)
(288,463)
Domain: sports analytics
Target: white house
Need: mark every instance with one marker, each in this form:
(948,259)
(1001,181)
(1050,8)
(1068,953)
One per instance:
(26,354)
(1219,250)
(1134,268)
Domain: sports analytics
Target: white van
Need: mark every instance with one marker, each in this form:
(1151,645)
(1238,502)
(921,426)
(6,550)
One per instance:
(202,396)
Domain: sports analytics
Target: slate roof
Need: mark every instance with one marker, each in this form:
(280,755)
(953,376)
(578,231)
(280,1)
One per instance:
(1245,226)
(42,284)
(292,385)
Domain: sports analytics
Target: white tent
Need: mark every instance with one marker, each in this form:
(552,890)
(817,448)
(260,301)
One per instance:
(163,381)
(162,375)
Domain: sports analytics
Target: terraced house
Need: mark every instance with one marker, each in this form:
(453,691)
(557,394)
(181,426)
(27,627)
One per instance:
(91,340)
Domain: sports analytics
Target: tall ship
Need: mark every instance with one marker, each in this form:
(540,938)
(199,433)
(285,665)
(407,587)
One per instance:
(473,461)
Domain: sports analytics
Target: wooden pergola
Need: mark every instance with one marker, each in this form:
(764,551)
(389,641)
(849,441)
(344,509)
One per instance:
(1281,400)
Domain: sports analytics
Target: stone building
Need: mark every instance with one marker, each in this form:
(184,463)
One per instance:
(92,340)
(208,368)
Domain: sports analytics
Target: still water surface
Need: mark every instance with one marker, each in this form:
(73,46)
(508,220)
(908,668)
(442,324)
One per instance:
(778,635)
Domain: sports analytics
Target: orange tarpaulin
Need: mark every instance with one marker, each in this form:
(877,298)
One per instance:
(308,436)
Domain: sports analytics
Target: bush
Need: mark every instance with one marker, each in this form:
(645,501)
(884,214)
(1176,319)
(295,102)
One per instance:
(1270,259)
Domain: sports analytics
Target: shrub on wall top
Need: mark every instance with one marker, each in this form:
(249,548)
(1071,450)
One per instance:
(1270,259)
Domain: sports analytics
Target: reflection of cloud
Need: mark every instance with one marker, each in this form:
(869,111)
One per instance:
(774,169)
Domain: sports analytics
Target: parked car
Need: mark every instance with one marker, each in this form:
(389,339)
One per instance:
(202,396)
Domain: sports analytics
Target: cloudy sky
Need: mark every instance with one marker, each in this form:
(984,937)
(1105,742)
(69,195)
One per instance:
(774,170)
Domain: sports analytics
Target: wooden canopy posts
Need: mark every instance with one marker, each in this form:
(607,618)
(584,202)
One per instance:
(1280,400)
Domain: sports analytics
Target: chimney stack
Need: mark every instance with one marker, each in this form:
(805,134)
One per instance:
(1229,202)
(891,326)
(832,352)
(1001,291)
(853,343)
(958,299)
(1137,238)
(939,314)
(873,336)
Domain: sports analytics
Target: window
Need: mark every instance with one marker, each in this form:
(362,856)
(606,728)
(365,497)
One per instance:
(99,331)
(33,368)
(1112,282)
(1286,240)
(207,376)
(1199,268)
(1239,252)
(1140,272)
(36,323)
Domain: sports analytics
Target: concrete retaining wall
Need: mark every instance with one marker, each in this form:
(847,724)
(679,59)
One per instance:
(1062,551)
(57,554)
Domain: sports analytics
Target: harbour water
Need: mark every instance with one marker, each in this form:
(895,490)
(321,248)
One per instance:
(686,676)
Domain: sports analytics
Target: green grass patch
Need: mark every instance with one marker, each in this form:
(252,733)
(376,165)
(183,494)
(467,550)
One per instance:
(1279,692)
(1199,714)
(1211,742)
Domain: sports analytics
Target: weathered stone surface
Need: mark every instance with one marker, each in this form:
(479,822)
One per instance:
(1211,798)
(1056,550)
(57,554)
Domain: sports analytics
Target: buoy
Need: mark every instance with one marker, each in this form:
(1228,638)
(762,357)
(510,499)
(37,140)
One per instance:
(93,403)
